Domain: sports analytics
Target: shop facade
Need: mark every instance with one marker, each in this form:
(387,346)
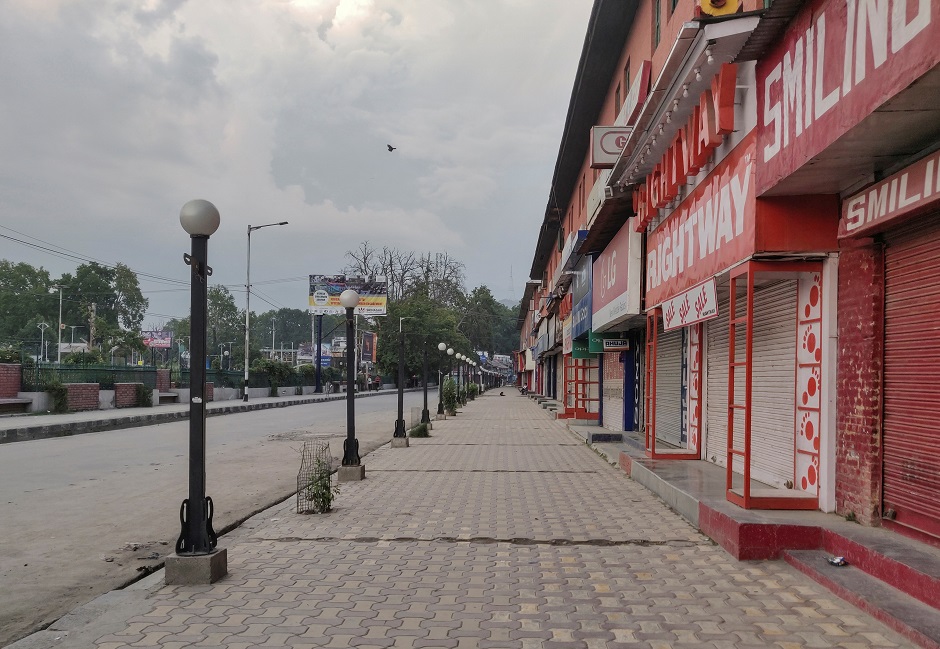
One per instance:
(847,78)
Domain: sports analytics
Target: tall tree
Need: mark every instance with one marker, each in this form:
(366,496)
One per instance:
(479,318)
(424,322)
(25,300)
(224,324)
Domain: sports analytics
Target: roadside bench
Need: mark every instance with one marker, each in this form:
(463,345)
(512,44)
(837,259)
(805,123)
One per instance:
(14,405)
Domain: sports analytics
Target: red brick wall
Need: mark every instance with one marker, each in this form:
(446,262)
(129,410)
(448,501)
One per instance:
(125,395)
(9,380)
(858,406)
(163,380)
(210,392)
(82,396)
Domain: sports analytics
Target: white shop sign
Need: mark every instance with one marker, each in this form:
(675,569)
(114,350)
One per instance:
(697,304)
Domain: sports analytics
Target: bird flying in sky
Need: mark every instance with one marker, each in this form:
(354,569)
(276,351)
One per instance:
(390,147)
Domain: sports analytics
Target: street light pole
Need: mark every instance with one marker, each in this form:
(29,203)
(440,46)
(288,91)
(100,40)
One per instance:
(440,383)
(61,326)
(42,341)
(200,219)
(425,414)
(248,297)
(400,422)
(349,299)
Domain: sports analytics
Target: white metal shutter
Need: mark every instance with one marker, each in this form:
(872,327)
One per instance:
(773,384)
(613,391)
(911,377)
(716,382)
(669,387)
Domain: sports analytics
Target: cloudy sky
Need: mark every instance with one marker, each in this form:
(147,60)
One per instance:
(114,113)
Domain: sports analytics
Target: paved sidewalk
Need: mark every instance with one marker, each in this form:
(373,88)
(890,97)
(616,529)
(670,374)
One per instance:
(501,530)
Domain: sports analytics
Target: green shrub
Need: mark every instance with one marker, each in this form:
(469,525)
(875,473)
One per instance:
(318,491)
(60,396)
(278,373)
(449,394)
(144,396)
(10,354)
(472,390)
(421,430)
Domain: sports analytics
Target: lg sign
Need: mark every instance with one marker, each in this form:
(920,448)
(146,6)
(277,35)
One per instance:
(606,144)
(613,143)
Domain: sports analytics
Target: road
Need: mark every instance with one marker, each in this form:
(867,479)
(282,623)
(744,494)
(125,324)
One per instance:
(86,514)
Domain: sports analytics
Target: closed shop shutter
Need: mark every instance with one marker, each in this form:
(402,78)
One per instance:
(773,385)
(669,387)
(716,383)
(613,391)
(911,435)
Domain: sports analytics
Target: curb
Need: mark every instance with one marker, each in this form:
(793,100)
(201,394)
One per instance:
(69,428)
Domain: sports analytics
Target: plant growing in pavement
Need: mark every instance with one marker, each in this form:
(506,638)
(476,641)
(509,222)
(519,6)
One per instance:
(318,491)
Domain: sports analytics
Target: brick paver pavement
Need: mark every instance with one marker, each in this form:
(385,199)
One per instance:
(502,530)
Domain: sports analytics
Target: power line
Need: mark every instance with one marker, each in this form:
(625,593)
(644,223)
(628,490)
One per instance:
(67,254)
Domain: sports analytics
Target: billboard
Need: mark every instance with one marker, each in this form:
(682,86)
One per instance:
(325,291)
(157,339)
(368,346)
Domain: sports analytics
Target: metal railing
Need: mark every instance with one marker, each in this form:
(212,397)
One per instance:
(36,378)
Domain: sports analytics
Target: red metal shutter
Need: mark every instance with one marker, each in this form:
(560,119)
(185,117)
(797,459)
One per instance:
(911,435)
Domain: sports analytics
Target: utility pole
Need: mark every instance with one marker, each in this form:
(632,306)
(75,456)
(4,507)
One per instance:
(92,312)
(61,326)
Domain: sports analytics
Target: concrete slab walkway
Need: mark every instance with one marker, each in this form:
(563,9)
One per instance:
(501,530)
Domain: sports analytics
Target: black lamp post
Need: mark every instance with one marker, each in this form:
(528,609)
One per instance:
(425,414)
(440,383)
(349,299)
(316,363)
(400,422)
(200,219)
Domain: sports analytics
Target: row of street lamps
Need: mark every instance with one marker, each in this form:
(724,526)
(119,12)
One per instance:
(198,541)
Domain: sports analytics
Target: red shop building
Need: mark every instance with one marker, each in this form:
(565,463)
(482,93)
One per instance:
(847,107)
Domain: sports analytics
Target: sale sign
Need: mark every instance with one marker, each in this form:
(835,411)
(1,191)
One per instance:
(698,304)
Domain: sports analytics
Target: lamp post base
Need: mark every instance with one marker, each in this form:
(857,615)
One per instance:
(399,442)
(196,569)
(351,473)
(400,431)
(425,416)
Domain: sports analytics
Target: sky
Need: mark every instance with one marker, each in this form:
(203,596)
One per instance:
(115,113)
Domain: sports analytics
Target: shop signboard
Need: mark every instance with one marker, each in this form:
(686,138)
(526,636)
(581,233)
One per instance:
(901,195)
(598,343)
(711,230)
(581,298)
(579,349)
(838,61)
(697,304)
(616,279)
(566,336)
